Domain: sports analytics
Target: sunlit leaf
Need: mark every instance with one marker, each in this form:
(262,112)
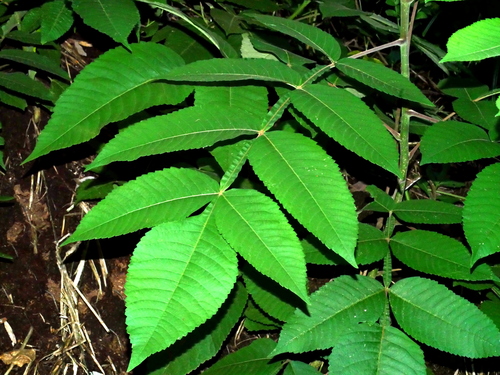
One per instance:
(482,214)
(164,301)
(451,324)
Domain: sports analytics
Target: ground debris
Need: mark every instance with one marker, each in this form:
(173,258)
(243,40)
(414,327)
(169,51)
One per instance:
(18,357)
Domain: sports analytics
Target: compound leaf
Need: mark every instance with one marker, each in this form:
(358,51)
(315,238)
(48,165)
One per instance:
(474,42)
(113,87)
(179,275)
(437,254)
(381,78)
(432,314)
(113,18)
(335,307)
(427,211)
(146,202)
(454,142)
(482,214)
(220,70)
(188,128)
(350,122)
(203,343)
(56,20)
(309,185)
(256,228)
(310,35)
(252,359)
(376,350)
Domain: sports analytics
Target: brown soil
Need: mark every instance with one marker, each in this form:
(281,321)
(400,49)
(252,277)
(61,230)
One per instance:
(36,291)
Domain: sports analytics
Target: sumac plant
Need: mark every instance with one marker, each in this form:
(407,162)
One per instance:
(220,248)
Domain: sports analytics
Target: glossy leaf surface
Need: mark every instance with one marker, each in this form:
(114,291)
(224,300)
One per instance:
(164,302)
(381,78)
(125,87)
(376,350)
(335,307)
(451,324)
(256,228)
(437,254)
(482,214)
(308,184)
(350,122)
(144,203)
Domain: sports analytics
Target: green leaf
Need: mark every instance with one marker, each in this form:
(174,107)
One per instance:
(145,202)
(179,275)
(249,52)
(33,60)
(381,78)
(372,244)
(427,211)
(13,100)
(300,368)
(481,217)
(189,128)
(339,8)
(475,42)
(453,142)
(273,299)
(115,19)
(256,228)
(310,35)
(307,182)
(24,37)
(203,343)
(93,189)
(492,310)
(125,87)
(481,113)
(220,70)
(56,20)
(335,308)
(252,359)
(257,320)
(350,122)
(226,49)
(432,314)
(376,350)
(227,21)
(317,253)
(464,88)
(383,202)
(261,5)
(181,40)
(251,99)
(21,83)
(239,158)
(289,58)
(436,254)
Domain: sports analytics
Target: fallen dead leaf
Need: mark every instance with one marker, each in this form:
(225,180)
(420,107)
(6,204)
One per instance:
(18,357)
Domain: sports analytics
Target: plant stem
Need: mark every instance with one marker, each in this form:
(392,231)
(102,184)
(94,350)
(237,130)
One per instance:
(300,9)
(404,159)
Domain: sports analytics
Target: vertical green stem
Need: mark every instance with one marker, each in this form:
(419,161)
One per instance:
(300,9)
(404,129)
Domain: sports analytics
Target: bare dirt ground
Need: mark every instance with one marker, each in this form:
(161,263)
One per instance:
(71,298)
